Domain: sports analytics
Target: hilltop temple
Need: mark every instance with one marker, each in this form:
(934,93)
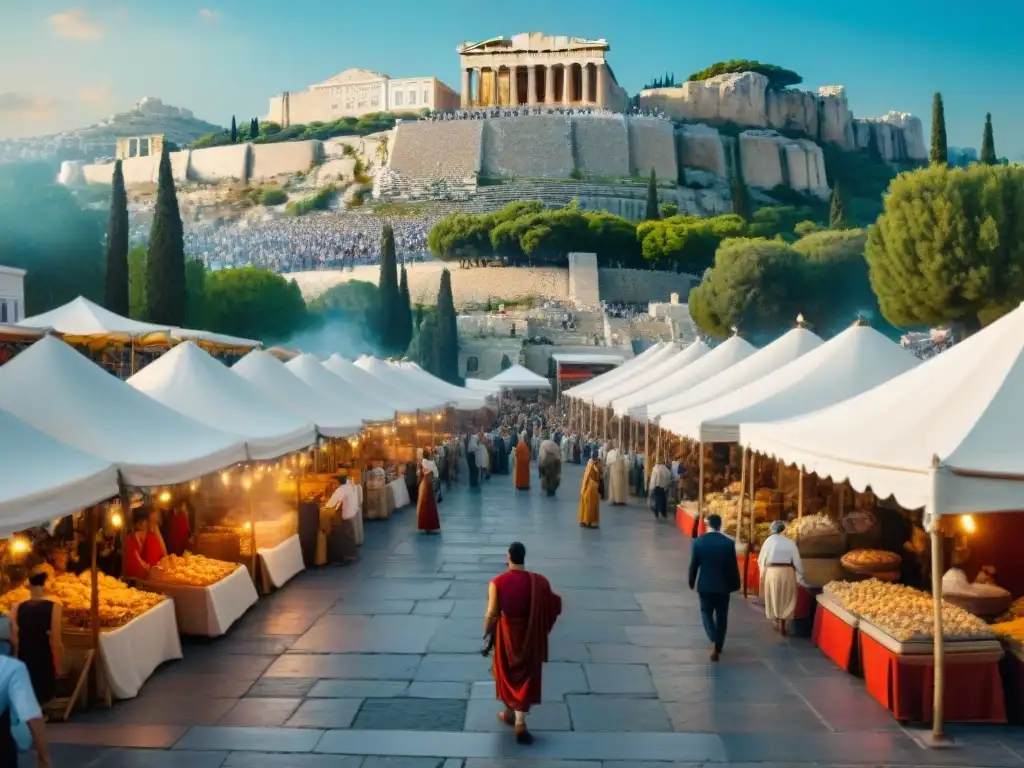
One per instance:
(537,70)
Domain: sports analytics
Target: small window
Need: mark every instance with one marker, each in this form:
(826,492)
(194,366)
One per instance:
(472,364)
(426,97)
(375,101)
(398,98)
(15,318)
(3,312)
(412,98)
(334,107)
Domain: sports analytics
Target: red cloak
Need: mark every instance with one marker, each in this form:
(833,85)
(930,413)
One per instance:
(427,518)
(521,637)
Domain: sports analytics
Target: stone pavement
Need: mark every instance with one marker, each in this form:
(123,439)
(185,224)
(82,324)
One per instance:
(378,666)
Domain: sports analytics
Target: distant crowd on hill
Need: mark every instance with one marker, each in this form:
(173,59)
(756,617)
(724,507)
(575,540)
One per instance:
(327,241)
(494,112)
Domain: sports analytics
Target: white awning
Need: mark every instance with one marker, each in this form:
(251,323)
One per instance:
(580,391)
(856,360)
(483,385)
(62,393)
(193,383)
(42,479)
(648,386)
(651,373)
(277,383)
(518,377)
(402,400)
(81,317)
(660,397)
(945,436)
(360,405)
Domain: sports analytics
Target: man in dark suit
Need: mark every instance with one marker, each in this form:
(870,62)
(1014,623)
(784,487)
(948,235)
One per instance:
(715,573)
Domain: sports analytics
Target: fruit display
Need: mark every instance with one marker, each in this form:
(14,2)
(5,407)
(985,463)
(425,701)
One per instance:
(870,560)
(904,613)
(1012,631)
(193,570)
(812,525)
(118,603)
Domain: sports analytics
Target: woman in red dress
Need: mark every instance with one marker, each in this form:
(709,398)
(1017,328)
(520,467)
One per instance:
(427,520)
(154,549)
(135,565)
(179,529)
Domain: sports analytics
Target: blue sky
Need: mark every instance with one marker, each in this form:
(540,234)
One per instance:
(65,65)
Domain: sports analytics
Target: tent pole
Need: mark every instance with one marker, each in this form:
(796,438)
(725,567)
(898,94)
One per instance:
(800,495)
(750,536)
(938,729)
(94,593)
(647,453)
(700,480)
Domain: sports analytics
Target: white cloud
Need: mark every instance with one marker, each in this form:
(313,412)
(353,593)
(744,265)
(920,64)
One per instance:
(22,107)
(209,15)
(75,25)
(97,95)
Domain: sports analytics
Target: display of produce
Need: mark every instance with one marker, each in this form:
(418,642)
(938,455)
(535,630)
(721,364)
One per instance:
(118,603)
(983,597)
(1015,611)
(904,613)
(1012,631)
(190,569)
(812,525)
(761,531)
(870,560)
(954,582)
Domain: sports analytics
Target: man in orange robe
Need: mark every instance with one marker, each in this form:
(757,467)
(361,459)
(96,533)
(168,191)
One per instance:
(521,612)
(522,468)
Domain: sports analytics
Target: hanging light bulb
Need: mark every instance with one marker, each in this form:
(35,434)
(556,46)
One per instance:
(164,497)
(116,520)
(247,481)
(193,486)
(968,524)
(20,545)
(225,477)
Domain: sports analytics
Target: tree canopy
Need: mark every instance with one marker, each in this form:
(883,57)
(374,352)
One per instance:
(270,132)
(253,302)
(988,144)
(949,246)
(165,256)
(778,77)
(117,246)
(447,354)
(939,153)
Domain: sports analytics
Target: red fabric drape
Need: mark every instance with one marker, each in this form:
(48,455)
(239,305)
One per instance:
(521,647)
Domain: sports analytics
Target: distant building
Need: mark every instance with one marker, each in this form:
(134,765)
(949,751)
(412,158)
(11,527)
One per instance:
(357,92)
(12,295)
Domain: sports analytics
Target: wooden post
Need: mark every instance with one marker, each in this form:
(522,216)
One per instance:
(252,523)
(938,727)
(94,596)
(743,490)
(648,467)
(700,483)
(800,495)
(657,451)
(750,530)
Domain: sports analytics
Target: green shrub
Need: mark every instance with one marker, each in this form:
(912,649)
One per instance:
(272,196)
(318,202)
(778,77)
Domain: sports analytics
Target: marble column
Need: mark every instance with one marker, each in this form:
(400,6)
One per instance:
(513,86)
(549,86)
(566,84)
(466,81)
(495,96)
(531,86)
(602,85)
(585,84)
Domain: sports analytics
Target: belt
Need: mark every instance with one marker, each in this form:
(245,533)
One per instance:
(780,565)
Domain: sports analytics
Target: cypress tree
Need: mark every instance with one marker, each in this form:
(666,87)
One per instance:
(988,144)
(940,152)
(837,209)
(447,332)
(405,309)
(506,363)
(165,259)
(428,344)
(741,200)
(652,198)
(234,130)
(117,246)
(389,323)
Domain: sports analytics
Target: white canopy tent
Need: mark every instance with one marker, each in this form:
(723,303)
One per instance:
(269,375)
(945,436)
(360,405)
(517,378)
(194,384)
(62,393)
(780,352)
(395,379)
(618,374)
(463,399)
(856,360)
(725,355)
(483,385)
(42,479)
(401,400)
(650,375)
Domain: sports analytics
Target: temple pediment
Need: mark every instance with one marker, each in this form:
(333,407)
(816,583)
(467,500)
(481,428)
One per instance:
(351,76)
(532,41)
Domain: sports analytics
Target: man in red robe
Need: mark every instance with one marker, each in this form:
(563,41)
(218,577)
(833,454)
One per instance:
(521,612)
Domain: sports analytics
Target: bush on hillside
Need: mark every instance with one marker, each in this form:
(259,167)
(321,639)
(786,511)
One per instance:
(778,77)
(272,133)
(321,201)
(272,196)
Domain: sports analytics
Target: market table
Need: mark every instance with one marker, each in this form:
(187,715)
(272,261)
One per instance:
(686,514)
(132,653)
(281,563)
(209,611)
(835,633)
(903,683)
(1012,669)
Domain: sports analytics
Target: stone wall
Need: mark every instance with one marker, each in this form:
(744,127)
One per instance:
(441,150)
(584,283)
(643,285)
(768,160)
(287,157)
(531,147)
(215,164)
(700,146)
(601,146)
(652,144)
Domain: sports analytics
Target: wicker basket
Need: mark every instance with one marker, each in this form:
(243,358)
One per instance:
(985,607)
(822,570)
(824,545)
(870,569)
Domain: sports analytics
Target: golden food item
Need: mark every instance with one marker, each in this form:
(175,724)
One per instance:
(1016,611)
(860,558)
(1012,630)
(812,525)
(118,603)
(194,570)
(904,613)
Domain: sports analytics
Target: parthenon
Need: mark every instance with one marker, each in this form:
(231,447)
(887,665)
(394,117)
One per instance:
(533,69)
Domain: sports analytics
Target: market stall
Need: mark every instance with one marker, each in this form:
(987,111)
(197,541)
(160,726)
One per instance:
(361,404)
(399,399)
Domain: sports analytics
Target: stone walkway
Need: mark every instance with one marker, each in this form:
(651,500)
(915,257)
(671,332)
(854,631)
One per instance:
(379,666)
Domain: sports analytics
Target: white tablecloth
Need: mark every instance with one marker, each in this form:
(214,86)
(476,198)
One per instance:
(400,493)
(131,653)
(210,611)
(283,562)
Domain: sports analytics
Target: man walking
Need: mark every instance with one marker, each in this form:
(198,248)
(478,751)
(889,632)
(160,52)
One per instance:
(715,573)
(661,480)
(17,700)
(521,612)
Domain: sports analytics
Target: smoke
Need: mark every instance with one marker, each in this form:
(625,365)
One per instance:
(339,333)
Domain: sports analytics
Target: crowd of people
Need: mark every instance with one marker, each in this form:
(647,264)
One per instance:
(623,309)
(523,111)
(295,244)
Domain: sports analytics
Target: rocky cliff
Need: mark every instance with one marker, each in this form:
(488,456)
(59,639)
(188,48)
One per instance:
(744,99)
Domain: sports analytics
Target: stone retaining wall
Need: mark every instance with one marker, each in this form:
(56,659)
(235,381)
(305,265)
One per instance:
(601,146)
(531,147)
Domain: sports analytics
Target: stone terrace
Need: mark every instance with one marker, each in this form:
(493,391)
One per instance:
(532,147)
(378,666)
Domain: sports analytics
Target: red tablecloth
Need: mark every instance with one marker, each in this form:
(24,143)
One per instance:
(684,522)
(835,638)
(804,602)
(904,684)
(752,577)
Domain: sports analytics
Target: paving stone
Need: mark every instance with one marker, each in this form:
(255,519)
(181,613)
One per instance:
(434,607)
(406,762)
(250,739)
(455,669)
(394,589)
(217,686)
(446,644)
(231,665)
(374,634)
(615,713)
(115,735)
(528,762)
(152,758)
(482,715)
(352,666)
(157,711)
(281,688)
(325,713)
(619,678)
(259,760)
(358,689)
(375,608)
(260,713)
(437,690)
(411,714)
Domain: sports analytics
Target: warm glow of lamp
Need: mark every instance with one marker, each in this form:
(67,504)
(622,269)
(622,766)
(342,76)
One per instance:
(225,477)
(967,523)
(194,485)
(354,442)
(247,526)
(164,497)
(20,545)
(246,482)
(116,520)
